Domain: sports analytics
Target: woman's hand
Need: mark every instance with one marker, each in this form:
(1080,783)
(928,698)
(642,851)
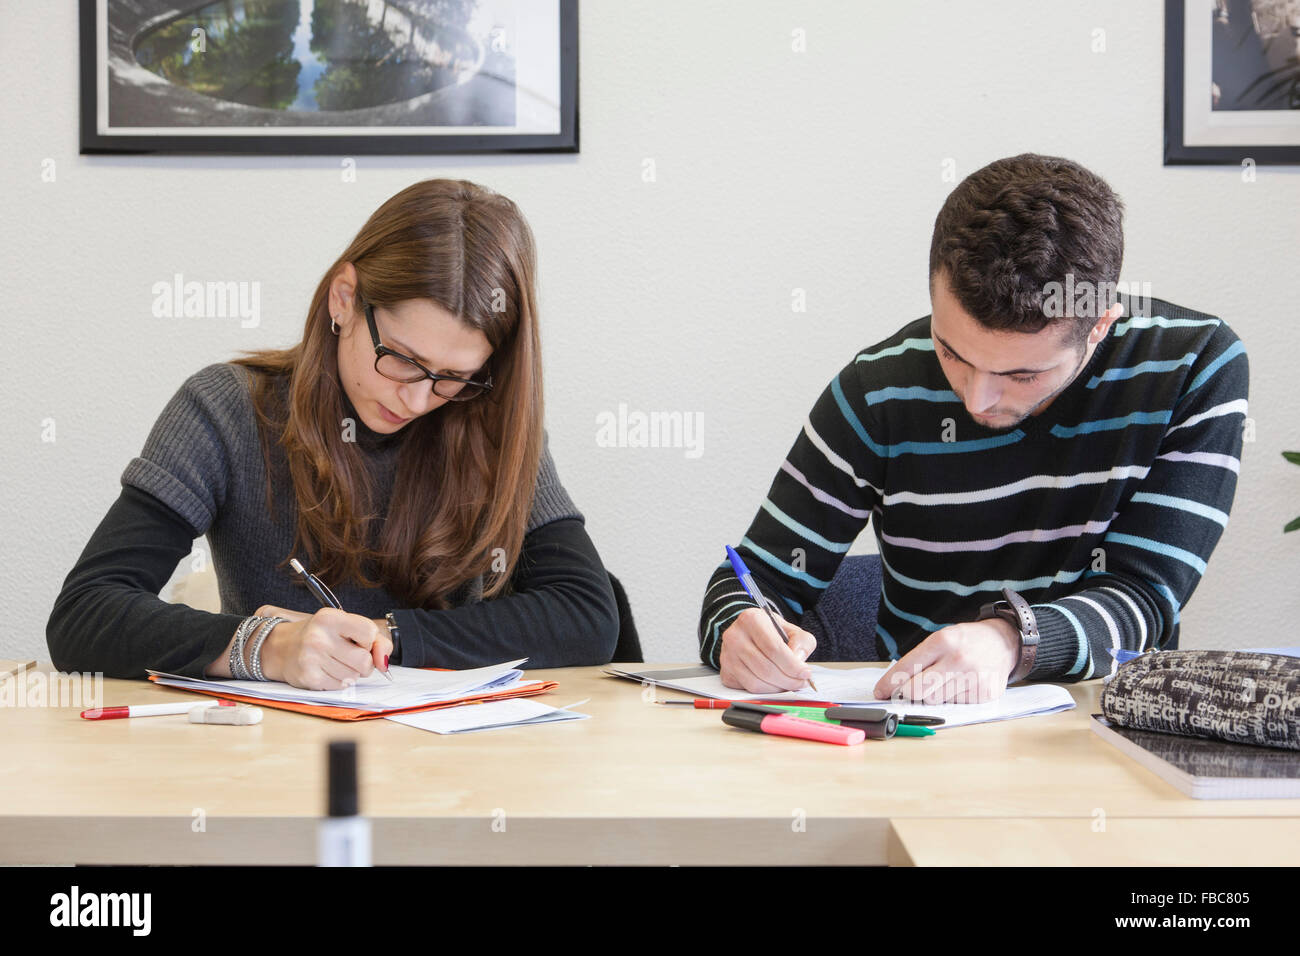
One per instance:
(327,650)
(270,610)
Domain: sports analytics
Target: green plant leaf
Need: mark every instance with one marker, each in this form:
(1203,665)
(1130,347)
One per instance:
(1292,456)
(1293,525)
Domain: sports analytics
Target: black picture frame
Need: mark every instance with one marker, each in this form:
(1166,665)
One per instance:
(93,142)
(1176,150)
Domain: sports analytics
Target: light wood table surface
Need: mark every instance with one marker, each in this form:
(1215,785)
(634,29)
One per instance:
(1127,841)
(637,784)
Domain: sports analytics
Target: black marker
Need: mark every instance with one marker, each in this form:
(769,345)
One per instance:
(344,835)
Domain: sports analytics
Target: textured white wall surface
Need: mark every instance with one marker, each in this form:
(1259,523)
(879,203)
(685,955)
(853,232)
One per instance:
(775,170)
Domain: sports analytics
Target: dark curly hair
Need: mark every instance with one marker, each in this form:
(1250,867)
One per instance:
(1018,224)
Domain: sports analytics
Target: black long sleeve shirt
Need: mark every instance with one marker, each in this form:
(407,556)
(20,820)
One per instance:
(201,473)
(109,618)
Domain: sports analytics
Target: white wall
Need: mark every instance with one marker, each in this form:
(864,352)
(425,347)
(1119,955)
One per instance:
(775,170)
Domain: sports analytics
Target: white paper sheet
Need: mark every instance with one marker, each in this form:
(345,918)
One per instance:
(410,687)
(494,715)
(853,685)
(856,685)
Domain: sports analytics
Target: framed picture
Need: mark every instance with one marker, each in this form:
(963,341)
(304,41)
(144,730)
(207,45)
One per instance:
(336,77)
(1232,81)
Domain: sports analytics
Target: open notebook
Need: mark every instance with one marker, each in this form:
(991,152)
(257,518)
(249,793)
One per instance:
(856,685)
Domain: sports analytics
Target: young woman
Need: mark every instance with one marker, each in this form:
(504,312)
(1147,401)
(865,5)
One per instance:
(396,452)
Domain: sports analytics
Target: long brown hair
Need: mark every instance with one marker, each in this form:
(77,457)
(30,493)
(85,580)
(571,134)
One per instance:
(466,472)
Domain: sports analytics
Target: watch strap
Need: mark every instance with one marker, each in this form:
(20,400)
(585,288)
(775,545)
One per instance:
(1016,610)
(393,635)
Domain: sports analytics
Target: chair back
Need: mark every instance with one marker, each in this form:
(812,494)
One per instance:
(844,618)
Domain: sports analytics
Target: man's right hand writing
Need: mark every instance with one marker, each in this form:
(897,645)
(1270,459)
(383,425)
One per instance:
(754,659)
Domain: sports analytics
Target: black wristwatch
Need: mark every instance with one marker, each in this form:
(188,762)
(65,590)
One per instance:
(1017,611)
(392,631)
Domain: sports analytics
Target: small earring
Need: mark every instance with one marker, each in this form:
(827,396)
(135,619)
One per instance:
(333,327)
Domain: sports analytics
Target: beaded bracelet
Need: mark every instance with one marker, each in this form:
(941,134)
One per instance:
(255,655)
(237,669)
(244,672)
(242,640)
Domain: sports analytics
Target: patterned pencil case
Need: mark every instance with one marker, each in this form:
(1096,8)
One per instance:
(1238,696)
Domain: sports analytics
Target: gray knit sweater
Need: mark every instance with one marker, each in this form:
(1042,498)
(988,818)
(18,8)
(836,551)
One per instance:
(203,459)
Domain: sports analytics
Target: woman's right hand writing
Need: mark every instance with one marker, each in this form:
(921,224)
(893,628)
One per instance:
(324,651)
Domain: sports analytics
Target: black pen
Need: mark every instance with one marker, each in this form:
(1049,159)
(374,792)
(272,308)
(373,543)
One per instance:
(322,594)
(920,720)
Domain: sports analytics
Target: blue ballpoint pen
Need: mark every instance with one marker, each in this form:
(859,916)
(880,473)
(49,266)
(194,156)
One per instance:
(322,594)
(747,582)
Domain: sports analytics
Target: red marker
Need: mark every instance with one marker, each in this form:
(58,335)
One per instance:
(785,726)
(150,710)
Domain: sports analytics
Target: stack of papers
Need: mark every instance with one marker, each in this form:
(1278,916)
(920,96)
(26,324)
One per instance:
(410,687)
(856,685)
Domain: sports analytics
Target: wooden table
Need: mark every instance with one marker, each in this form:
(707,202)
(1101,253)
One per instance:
(636,784)
(1126,841)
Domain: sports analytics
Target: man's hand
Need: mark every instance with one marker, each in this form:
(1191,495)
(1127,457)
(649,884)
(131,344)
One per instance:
(958,664)
(754,659)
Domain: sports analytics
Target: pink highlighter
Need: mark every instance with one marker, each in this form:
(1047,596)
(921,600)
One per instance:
(751,717)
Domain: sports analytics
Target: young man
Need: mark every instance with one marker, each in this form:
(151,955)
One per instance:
(1037,441)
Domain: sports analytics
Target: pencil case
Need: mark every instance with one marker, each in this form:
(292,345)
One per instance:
(1239,696)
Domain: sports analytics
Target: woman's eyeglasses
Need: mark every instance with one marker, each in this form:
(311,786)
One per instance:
(402,368)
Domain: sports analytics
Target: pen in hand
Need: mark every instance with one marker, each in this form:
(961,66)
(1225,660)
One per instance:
(321,593)
(747,582)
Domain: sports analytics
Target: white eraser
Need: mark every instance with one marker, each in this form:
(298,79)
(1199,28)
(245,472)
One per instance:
(240,715)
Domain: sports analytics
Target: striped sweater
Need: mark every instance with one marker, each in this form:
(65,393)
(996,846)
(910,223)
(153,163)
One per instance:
(1102,511)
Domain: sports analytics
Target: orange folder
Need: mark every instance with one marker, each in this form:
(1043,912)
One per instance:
(348,713)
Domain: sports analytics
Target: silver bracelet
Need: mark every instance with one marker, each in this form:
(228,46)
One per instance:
(255,655)
(240,670)
(237,669)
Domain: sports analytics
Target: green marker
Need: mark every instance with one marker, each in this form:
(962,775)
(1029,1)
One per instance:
(819,713)
(911,730)
(808,713)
